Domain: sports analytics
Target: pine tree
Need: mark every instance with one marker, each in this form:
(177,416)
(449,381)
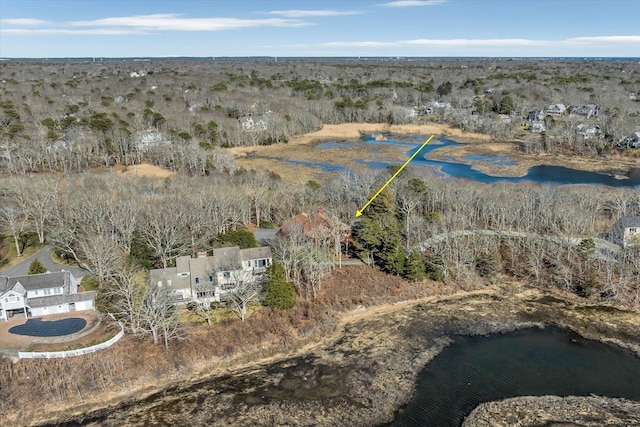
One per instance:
(415,268)
(277,292)
(36,267)
(377,235)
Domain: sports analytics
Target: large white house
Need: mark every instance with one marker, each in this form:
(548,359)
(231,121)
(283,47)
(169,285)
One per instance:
(208,278)
(42,294)
(626,231)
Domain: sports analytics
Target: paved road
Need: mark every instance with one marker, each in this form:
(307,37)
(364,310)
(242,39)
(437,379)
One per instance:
(44,255)
(603,247)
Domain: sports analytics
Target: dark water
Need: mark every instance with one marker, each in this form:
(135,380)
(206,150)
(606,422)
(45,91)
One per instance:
(553,175)
(530,362)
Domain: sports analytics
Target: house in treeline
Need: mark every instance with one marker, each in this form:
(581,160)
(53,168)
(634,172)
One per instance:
(323,226)
(584,111)
(42,294)
(626,231)
(631,141)
(587,131)
(208,279)
(253,123)
(556,110)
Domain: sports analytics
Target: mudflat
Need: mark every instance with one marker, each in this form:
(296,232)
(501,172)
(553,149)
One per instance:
(365,371)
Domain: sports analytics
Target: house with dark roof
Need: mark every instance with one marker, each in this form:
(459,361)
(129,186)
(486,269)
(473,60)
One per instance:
(626,231)
(322,226)
(42,294)
(207,279)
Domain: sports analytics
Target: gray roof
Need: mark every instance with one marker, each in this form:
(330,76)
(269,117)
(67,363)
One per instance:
(629,221)
(255,253)
(37,281)
(227,258)
(61,299)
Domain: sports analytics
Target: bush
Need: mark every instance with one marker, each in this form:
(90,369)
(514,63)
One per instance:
(36,267)
(277,292)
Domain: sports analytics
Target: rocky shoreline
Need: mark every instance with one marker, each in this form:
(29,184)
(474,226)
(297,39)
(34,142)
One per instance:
(583,411)
(369,371)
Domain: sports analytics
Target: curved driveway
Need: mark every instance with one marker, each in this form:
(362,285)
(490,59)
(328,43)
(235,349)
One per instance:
(603,247)
(44,255)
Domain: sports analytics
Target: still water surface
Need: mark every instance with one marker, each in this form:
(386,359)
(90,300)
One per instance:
(529,362)
(545,174)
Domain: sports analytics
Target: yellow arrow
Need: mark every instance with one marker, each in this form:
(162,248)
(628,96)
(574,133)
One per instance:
(359,212)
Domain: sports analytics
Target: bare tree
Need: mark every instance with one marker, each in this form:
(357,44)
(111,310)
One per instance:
(163,231)
(246,288)
(103,255)
(12,218)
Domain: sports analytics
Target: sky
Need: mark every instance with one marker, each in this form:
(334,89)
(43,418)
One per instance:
(308,28)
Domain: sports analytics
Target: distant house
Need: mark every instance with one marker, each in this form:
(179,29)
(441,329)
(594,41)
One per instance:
(537,127)
(253,123)
(587,132)
(626,231)
(584,111)
(535,116)
(149,138)
(208,279)
(322,226)
(633,96)
(556,110)
(42,294)
(632,141)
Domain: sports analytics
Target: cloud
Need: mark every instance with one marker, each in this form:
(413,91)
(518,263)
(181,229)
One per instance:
(69,32)
(173,22)
(442,43)
(306,13)
(413,3)
(22,21)
(570,43)
(606,40)
(142,24)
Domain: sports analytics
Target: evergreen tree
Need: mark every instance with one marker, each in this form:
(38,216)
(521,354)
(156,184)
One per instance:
(36,267)
(277,291)
(415,268)
(377,235)
(242,238)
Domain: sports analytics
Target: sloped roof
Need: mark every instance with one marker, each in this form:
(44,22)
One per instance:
(41,281)
(61,299)
(227,258)
(255,253)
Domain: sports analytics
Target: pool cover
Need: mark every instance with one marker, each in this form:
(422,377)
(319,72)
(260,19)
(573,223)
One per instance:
(39,328)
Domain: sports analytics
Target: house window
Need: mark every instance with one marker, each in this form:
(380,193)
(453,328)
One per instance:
(226,274)
(262,263)
(47,291)
(197,280)
(211,279)
(633,230)
(183,274)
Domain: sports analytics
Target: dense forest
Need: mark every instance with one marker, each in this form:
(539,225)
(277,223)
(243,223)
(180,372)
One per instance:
(76,115)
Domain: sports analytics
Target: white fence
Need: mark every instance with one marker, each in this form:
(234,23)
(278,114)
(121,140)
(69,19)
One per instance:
(70,353)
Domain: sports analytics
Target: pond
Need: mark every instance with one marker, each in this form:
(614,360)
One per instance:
(529,362)
(545,174)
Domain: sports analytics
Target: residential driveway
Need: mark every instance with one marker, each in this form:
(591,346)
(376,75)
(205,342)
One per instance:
(44,255)
(265,236)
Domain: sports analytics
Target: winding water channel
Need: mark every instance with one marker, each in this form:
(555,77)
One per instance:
(544,174)
(529,362)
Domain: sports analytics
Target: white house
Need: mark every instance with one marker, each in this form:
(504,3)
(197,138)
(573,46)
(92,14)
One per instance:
(42,294)
(556,110)
(253,123)
(626,231)
(632,141)
(208,278)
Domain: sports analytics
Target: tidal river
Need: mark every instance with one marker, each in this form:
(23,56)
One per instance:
(528,362)
(544,174)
